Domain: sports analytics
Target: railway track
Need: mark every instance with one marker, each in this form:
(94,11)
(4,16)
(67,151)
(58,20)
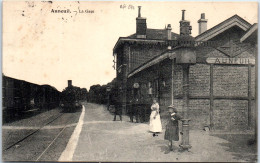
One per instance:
(46,149)
(41,151)
(33,132)
(50,144)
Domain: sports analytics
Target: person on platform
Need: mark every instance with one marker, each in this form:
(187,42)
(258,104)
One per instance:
(118,109)
(172,128)
(132,110)
(155,121)
(108,102)
(137,110)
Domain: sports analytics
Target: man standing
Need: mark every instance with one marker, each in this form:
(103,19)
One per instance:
(132,110)
(137,109)
(108,101)
(118,108)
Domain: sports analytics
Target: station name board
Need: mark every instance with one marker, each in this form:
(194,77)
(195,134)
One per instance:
(235,61)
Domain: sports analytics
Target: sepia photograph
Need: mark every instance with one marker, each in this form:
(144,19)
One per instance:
(129,81)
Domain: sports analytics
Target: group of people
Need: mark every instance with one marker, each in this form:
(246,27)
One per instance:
(172,129)
(155,125)
(135,109)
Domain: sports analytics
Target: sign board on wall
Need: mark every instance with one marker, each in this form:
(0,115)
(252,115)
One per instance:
(235,61)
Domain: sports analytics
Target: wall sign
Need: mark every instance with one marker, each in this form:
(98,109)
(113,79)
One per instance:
(234,61)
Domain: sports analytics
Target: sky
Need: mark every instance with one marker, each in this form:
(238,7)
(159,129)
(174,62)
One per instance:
(44,47)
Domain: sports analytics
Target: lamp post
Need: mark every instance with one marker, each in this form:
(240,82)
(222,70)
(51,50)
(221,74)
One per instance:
(186,56)
(185,121)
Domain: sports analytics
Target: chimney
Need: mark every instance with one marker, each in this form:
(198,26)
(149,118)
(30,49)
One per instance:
(185,28)
(69,83)
(169,32)
(202,23)
(140,25)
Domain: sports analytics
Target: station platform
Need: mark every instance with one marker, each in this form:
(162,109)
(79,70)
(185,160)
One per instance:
(102,139)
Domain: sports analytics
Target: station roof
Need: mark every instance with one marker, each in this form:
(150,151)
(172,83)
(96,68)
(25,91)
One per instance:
(151,62)
(152,36)
(156,34)
(205,36)
(251,34)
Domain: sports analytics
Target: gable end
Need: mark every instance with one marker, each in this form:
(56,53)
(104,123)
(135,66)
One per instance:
(225,25)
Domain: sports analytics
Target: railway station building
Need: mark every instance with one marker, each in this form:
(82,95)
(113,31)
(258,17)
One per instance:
(222,77)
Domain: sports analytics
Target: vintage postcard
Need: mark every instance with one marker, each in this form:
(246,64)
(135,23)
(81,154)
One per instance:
(125,81)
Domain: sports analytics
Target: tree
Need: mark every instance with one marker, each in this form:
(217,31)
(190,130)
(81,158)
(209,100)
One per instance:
(98,94)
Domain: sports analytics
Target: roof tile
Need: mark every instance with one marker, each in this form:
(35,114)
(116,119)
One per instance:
(157,34)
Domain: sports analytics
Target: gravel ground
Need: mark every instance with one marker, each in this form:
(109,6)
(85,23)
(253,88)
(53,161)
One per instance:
(25,126)
(102,139)
(32,147)
(36,120)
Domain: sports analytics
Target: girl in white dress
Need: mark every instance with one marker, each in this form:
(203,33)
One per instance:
(155,120)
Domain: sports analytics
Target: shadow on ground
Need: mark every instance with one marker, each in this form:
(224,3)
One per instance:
(240,145)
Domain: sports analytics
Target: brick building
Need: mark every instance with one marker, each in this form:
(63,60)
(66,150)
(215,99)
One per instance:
(222,78)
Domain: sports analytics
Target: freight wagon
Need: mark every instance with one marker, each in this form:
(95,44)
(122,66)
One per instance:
(20,97)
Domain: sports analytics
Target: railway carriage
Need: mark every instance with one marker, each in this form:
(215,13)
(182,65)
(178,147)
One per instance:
(20,97)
